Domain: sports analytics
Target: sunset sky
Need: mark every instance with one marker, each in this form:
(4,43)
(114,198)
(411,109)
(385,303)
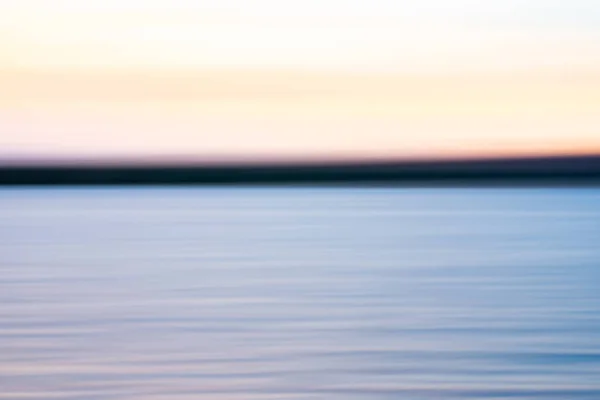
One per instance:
(254,79)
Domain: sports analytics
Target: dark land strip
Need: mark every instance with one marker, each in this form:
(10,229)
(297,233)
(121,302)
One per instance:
(574,170)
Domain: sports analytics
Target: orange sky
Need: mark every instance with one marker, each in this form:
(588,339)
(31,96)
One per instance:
(189,79)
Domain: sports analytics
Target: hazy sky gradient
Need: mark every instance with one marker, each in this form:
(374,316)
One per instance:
(233,78)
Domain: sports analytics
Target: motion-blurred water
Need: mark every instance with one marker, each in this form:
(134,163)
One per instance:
(297,293)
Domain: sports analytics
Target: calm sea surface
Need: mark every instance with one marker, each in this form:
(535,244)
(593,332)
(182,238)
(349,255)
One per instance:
(298,293)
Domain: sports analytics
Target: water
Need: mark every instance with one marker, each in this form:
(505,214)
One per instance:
(297,293)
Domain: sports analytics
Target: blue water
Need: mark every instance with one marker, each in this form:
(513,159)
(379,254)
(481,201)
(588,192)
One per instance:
(298,293)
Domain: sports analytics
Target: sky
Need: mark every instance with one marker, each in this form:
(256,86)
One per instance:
(264,79)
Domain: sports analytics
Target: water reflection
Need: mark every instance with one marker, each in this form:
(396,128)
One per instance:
(299,294)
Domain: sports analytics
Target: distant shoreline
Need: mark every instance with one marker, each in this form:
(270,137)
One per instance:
(568,170)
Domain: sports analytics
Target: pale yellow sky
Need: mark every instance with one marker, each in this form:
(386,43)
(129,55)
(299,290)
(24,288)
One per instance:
(260,78)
